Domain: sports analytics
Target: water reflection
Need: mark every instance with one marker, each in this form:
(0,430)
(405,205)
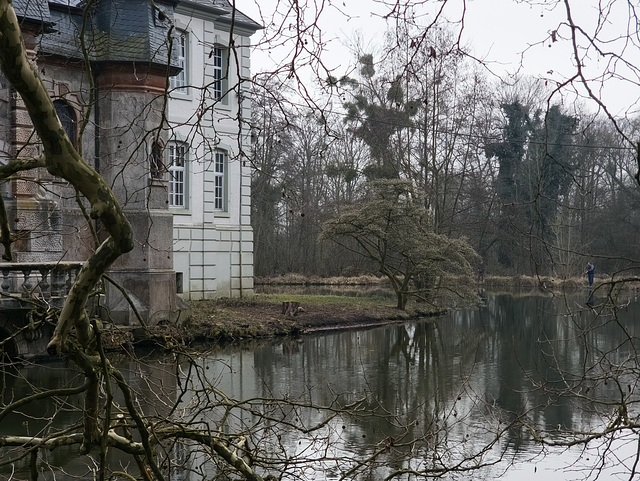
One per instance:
(151,379)
(467,388)
(458,383)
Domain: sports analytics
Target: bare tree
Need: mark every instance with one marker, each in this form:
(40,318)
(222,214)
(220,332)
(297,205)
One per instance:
(195,425)
(392,229)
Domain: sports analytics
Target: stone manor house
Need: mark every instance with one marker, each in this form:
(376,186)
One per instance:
(156,101)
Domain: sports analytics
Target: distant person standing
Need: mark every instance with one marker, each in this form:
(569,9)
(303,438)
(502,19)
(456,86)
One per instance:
(590,272)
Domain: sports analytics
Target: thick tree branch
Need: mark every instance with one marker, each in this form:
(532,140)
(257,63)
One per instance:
(63,160)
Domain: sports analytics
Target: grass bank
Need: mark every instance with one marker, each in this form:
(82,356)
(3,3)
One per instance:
(230,319)
(262,316)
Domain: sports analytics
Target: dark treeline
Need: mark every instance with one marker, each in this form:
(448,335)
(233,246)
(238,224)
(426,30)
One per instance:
(537,187)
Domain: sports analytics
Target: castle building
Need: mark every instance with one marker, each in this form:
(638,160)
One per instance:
(209,143)
(153,95)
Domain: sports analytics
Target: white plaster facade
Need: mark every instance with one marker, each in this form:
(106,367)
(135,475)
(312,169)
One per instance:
(212,234)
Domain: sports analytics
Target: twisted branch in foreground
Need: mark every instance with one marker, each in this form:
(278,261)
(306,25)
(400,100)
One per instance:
(63,160)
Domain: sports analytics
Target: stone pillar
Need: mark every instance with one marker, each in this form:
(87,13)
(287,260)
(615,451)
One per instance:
(129,113)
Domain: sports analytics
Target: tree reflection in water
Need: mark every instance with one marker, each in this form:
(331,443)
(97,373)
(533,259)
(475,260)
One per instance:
(523,387)
(503,383)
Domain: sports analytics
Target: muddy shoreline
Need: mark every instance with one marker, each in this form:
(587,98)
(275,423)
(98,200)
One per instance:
(227,321)
(220,321)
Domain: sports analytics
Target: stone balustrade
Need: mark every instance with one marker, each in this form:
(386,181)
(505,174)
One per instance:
(45,281)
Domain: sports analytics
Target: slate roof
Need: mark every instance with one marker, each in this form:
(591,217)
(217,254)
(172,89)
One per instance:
(120,31)
(32,10)
(68,3)
(224,9)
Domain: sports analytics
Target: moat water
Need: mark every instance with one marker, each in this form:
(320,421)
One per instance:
(474,384)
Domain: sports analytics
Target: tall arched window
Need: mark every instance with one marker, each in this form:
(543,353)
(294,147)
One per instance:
(220,180)
(178,82)
(219,56)
(177,165)
(67,116)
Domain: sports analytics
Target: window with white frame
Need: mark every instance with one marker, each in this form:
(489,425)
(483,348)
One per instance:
(178,82)
(219,68)
(220,180)
(177,153)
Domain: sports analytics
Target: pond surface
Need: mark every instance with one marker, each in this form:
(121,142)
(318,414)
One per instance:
(470,387)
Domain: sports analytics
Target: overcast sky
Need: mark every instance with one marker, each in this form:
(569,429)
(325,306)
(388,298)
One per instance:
(499,31)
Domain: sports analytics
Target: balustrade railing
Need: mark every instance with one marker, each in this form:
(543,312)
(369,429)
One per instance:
(46,281)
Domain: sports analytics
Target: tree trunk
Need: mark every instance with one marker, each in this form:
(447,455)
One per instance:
(402,300)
